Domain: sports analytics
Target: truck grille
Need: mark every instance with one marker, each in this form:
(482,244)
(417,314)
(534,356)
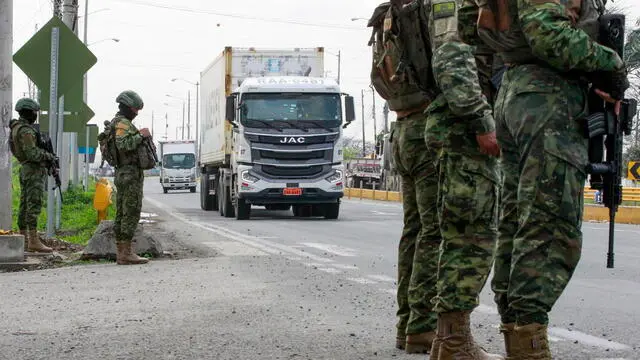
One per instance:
(281,155)
(292,172)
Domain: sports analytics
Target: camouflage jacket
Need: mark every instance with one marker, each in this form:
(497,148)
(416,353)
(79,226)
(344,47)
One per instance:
(25,143)
(128,139)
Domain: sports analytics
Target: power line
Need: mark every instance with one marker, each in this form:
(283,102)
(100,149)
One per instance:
(210,12)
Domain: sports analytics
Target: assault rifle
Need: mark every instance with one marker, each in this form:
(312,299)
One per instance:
(53,168)
(148,142)
(606,130)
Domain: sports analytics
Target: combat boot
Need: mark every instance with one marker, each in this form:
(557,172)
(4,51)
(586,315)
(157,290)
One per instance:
(511,344)
(532,341)
(420,343)
(454,340)
(34,244)
(126,254)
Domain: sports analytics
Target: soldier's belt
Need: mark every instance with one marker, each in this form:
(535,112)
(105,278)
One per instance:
(403,114)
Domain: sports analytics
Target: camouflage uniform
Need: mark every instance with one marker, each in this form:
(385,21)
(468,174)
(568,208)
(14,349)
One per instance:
(33,172)
(543,98)
(129,180)
(468,191)
(419,244)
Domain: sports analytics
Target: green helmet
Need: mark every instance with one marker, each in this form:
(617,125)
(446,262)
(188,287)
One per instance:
(130,99)
(27,104)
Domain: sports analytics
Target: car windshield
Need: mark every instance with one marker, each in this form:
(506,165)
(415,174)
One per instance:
(179,161)
(290,110)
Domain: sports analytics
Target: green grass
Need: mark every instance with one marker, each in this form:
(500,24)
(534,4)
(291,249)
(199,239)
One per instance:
(79,218)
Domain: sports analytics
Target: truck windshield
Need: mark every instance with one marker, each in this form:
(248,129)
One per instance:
(308,110)
(179,161)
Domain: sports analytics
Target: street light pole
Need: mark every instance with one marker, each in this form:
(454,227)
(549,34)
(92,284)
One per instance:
(364,149)
(189,115)
(182,120)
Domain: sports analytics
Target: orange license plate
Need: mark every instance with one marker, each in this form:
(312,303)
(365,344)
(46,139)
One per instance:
(292,191)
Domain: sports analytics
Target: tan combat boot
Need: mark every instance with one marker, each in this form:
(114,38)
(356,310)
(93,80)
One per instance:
(420,343)
(454,340)
(126,254)
(511,344)
(533,343)
(34,244)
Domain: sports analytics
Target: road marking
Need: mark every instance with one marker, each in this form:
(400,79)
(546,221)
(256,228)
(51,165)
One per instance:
(383,278)
(233,248)
(362,281)
(330,270)
(345,267)
(374,212)
(583,338)
(333,249)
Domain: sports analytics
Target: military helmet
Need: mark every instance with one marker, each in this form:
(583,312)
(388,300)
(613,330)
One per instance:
(27,104)
(131,99)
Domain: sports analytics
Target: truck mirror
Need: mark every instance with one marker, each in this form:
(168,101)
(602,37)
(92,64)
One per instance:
(350,109)
(231,109)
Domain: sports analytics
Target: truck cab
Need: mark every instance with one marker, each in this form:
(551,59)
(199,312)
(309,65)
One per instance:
(178,165)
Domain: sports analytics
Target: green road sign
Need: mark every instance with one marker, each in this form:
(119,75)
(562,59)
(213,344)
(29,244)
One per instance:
(72,98)
(93,138)
(34,57)
(74,122)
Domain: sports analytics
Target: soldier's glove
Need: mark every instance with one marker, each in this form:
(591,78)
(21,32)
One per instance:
(613,83)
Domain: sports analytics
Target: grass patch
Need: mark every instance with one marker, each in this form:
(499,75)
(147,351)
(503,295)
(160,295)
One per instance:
(78,219)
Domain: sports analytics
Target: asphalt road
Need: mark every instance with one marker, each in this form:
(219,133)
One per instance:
(279,287)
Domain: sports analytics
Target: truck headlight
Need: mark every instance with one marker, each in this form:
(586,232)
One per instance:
(248,177)
(335,177)
(192,177)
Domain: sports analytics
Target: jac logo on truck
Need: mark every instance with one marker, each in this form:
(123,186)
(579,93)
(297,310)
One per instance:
(292,140)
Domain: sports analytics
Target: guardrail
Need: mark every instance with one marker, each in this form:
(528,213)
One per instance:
(628,194)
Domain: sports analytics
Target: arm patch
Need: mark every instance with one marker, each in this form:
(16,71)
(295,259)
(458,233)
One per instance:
(444,10)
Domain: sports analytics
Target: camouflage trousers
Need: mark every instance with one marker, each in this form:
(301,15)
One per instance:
(129,180)
(468,196)
(420,241)
(544,156)
(33,178)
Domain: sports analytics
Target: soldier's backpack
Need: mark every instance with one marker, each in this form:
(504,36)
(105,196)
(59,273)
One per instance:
(107,141)
(401,71)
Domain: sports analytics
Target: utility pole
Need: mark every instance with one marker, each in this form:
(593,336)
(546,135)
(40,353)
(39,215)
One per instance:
(364,145)
(6,110)
(339,61)
(166,126)
(182,121)
(197,121)
(152,118)
(385,112)
(373,115)
(188,115)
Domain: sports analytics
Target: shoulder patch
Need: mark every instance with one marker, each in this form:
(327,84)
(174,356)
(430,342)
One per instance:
(387,24)
(444,10)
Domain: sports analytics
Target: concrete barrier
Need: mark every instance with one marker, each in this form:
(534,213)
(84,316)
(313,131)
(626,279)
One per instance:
(11,248)
(592,212)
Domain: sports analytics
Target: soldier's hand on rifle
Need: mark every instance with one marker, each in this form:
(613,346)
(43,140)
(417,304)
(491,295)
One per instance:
(145,132)
(616,84)
(488,144)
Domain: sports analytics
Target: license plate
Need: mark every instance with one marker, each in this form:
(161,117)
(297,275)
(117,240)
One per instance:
(292,191)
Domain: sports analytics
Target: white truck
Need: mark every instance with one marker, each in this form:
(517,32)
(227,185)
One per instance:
(271,133)
(178,165)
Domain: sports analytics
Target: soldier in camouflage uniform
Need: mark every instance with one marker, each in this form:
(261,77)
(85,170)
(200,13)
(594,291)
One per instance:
(33,171)
(420,240)
(551,54)
(469,172)
(129,177)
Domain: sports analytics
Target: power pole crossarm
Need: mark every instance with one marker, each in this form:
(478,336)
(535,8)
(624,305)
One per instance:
(6,109)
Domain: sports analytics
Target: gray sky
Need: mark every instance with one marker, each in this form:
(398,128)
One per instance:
(158,44)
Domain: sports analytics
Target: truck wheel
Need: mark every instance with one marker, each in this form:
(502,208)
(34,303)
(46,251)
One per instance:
(193,189)
(302,210)
(220,197)
(242,209)
(332,211)
(229,211)
(207,201)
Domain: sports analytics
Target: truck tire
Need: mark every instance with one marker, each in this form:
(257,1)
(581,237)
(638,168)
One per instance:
(332,211)
(242,209)
(229,211)
(220,196)
(302,210)
(207,201)
(193,189)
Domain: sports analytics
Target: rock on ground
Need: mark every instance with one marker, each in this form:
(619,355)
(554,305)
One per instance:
(103,243)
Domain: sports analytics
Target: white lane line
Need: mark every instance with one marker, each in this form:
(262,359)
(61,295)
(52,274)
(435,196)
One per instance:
(587,339)
(607,229)
(330,270)
(333,249)
(375,212)
(383,278)
(362,281)
(233,248)
(345,267)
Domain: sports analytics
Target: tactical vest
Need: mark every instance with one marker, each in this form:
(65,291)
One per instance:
(401,71)
(499,26)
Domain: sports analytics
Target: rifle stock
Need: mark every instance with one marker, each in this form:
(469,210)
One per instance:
(606,131)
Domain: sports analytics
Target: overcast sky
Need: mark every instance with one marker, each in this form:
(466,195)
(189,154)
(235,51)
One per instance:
(161,40)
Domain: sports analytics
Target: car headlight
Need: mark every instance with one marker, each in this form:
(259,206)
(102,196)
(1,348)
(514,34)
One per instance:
(248,177)
(335,177)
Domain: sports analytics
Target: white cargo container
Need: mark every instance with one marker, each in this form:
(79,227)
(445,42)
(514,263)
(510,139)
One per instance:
(271,133)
